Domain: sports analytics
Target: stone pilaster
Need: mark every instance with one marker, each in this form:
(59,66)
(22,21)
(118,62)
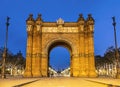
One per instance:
(82,56)
(35,55)
(92,72)
(86,53)
(81,23)
(28,69)
(90,23)
(39,48)
(37,41)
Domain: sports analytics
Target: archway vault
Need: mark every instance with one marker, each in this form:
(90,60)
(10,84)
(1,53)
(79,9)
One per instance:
(77,37)
(59,43)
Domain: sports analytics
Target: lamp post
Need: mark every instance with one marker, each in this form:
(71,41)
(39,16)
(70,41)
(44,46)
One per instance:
(5,50)
(116,50)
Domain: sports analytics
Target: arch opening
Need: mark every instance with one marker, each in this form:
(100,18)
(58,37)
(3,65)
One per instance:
(59,59)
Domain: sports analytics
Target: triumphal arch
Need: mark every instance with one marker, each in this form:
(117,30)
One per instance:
(77,37)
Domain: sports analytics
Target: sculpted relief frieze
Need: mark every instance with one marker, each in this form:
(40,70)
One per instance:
(62,29)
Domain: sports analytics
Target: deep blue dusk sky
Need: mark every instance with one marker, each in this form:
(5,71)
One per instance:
(69,10)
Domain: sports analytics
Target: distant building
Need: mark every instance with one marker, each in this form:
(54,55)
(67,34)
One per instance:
(66,72)
(52,72)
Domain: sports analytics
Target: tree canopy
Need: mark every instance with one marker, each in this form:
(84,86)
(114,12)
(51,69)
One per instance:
(109,57)
(13,60)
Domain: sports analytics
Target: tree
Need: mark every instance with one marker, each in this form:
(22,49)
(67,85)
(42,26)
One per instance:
(99,60)
(1,52)
(13,62)
(110,55)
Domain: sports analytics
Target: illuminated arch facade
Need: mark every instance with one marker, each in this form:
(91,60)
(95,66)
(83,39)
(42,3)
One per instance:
(77,37)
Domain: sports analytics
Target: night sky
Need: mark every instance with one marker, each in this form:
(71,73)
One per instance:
(69,10)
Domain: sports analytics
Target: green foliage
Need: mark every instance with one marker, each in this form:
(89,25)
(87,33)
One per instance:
(12,60)
(1,52)
(109,57)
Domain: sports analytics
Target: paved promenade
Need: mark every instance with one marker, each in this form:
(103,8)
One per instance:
(60,82)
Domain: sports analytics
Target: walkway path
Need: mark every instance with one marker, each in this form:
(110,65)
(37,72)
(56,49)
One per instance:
(64,82)
(59,82)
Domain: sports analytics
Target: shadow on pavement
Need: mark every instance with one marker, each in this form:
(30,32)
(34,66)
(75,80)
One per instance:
(26,83)
(108,85)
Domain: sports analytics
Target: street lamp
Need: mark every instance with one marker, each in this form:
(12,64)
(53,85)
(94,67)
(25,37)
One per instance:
(5,50)
(116,50)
